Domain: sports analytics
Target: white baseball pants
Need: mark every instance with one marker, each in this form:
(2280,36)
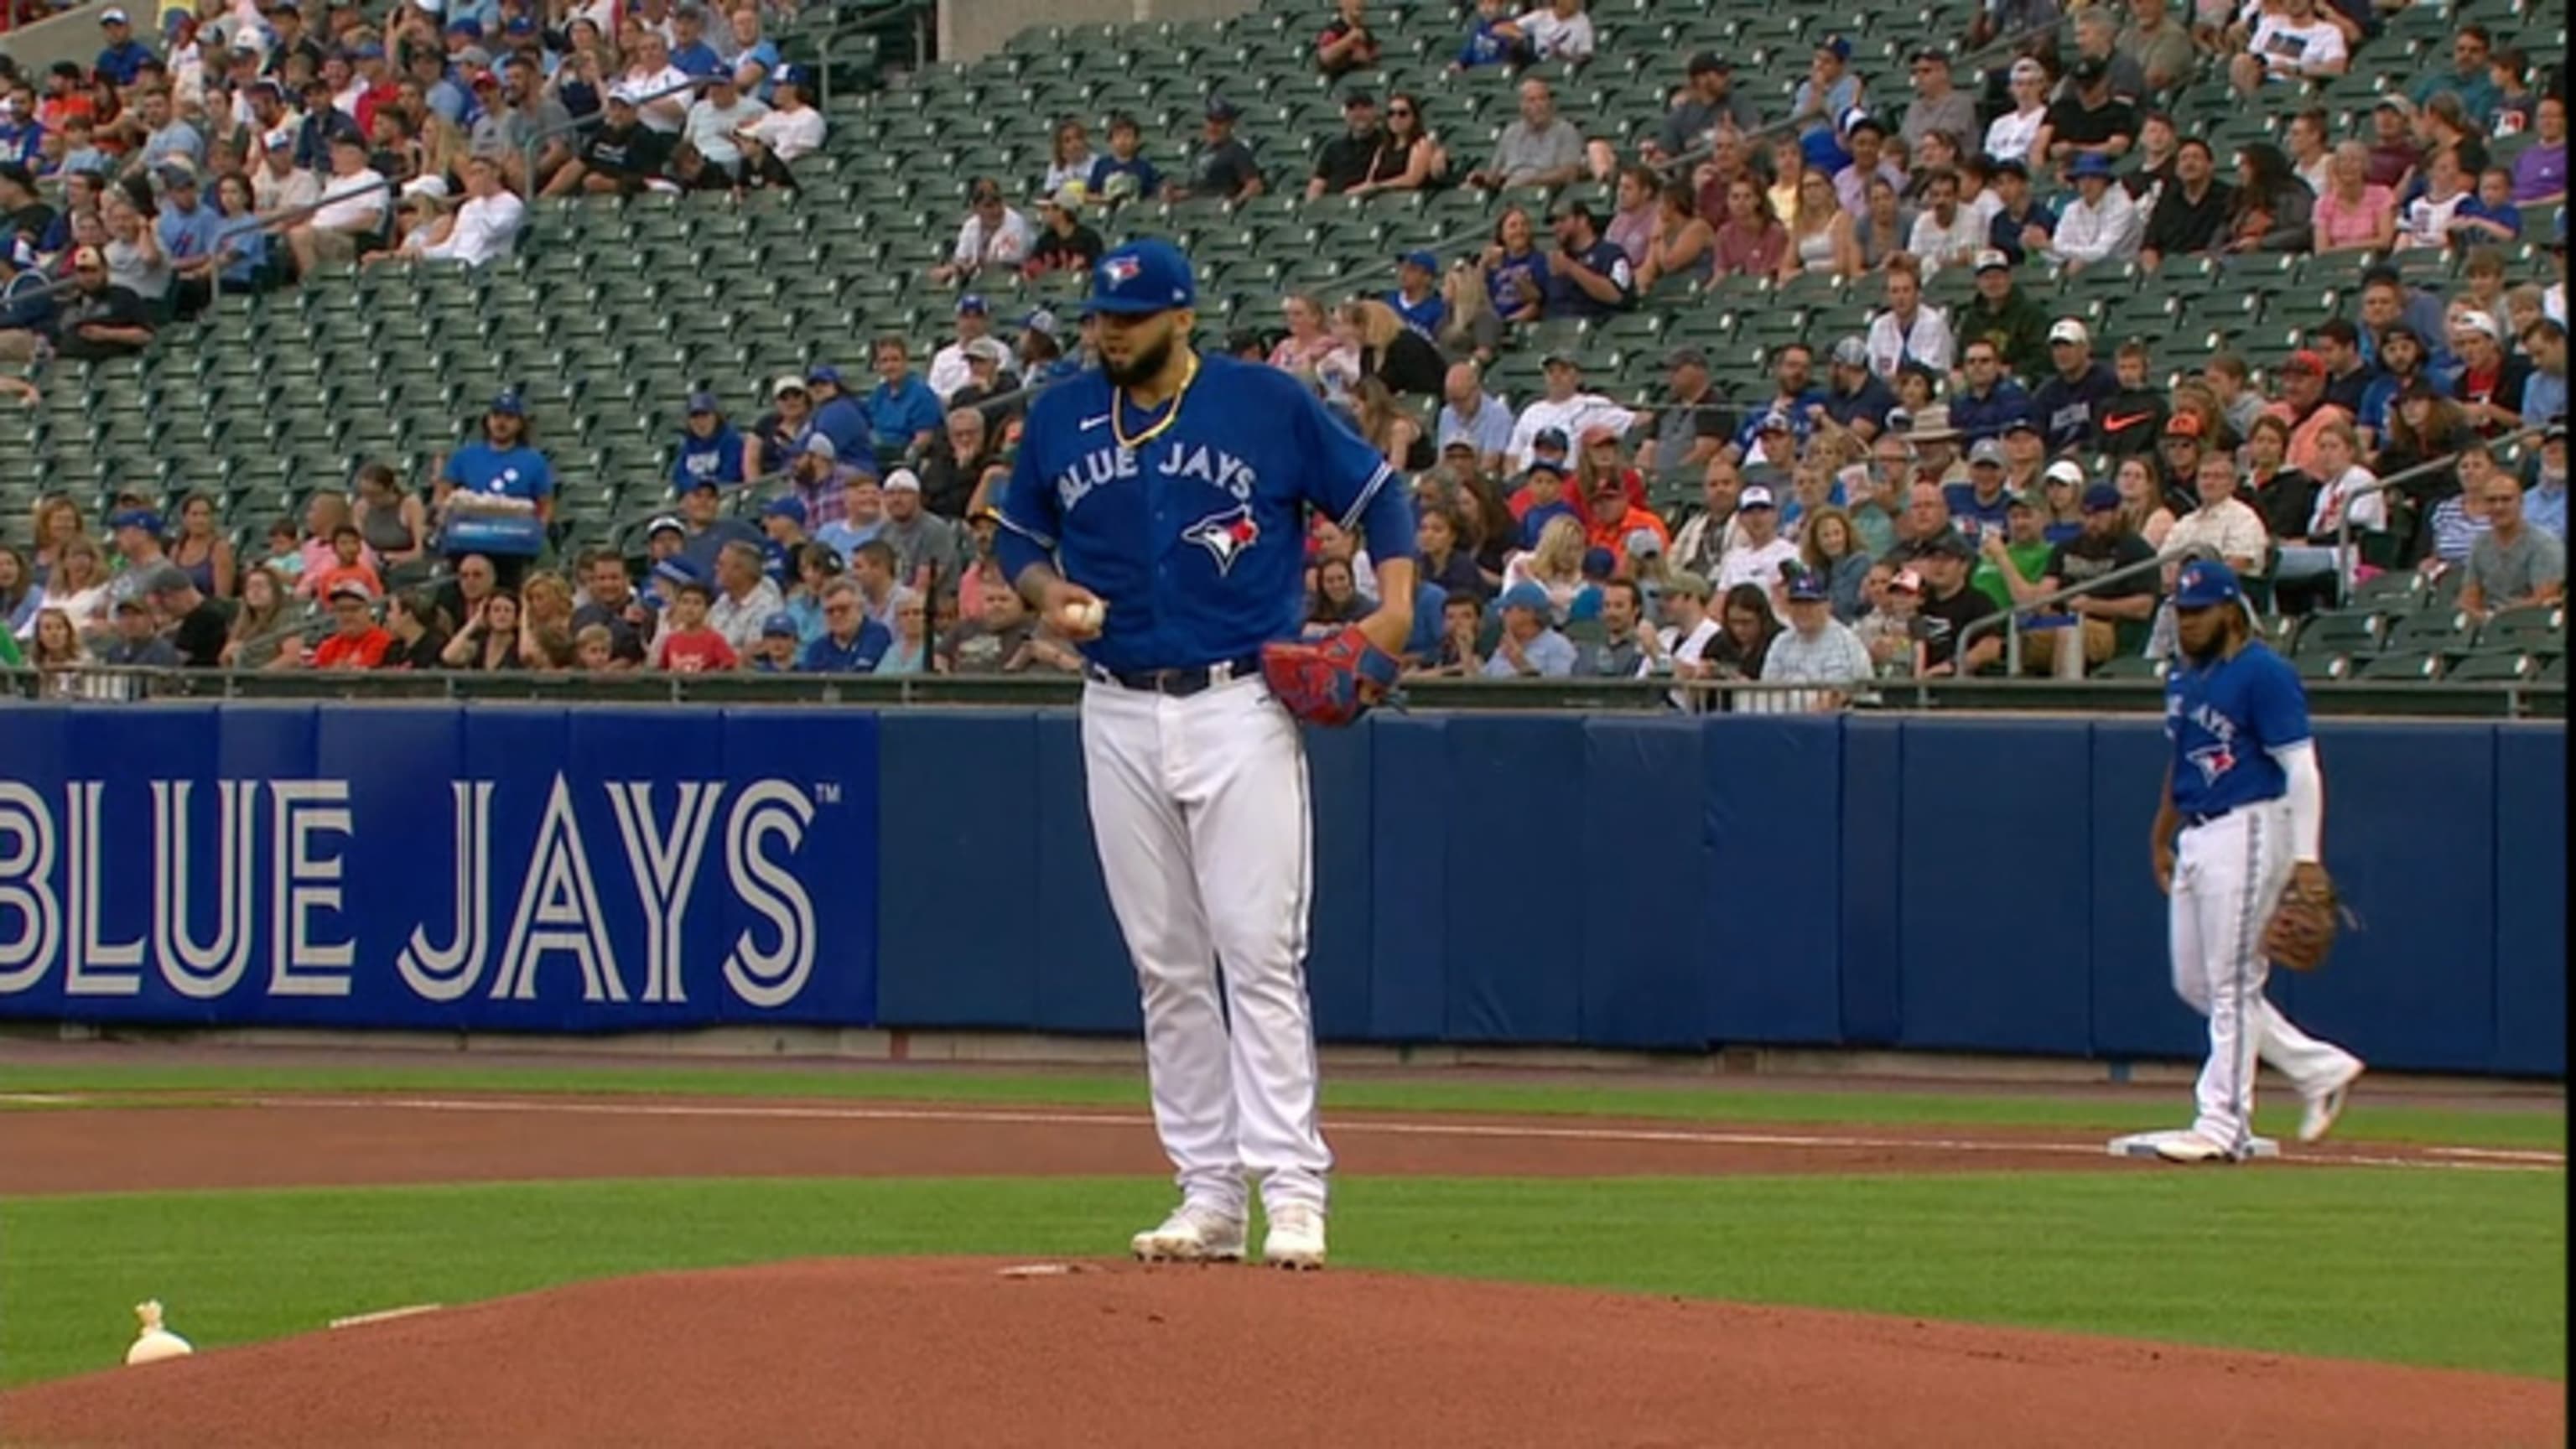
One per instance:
(2228,876)
(1199,809)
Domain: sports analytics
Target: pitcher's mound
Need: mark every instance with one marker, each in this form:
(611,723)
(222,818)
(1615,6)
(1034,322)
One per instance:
(990,1353)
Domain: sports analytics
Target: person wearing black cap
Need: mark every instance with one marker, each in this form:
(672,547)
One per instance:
(1949,607)
(1351,157)
(1220,165)
(2087,120)
(1704,104)
(100,320)
(1346,44)
(1589,276)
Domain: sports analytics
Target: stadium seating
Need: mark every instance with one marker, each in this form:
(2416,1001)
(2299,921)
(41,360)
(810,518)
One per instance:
(612,311)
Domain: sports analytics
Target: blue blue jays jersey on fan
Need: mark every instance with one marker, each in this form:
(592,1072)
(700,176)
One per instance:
(1195,539)
(2225,718)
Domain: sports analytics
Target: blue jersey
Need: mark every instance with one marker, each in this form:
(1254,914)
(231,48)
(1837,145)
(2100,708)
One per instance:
(2225,718)
(826,655)
(1197,538)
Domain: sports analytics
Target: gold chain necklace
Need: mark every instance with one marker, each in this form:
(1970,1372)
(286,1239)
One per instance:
(1118,410)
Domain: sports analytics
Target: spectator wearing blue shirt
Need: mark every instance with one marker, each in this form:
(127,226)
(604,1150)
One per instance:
(1123,175)
(1988,401)
(755,60)
(125,56)
(839,417)
(709,447)
(1530,647)
(1486,44)
(241,244)
(1590,276)
(901,408)
(851,641)
(21,138)
(323,124)
(502,464)
(190,233)
(782,525)
(690,53)
(1416,297)
(2489,215)
(166,137)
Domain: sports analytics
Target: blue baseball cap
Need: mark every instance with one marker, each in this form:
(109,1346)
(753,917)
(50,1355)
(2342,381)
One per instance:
(831,375)
(1423,259)
(1552,438)
(676,570)
(1145,276)
(798,76)
(666,521)
(508,403)
(2101,498)
(466,26)
(1599,562)
(142,518)
(972,302)
(2091,163)
(519,25)
(703,402)
(778,626)
(785,508)
(1525,596)
(2204,582)
(1806,586)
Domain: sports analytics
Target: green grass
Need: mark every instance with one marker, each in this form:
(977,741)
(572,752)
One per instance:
(2440,1268)
(2146,1108)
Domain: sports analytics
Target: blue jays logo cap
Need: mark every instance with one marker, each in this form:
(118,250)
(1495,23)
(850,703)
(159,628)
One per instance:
(1145,276)
(778,626)
(971,304)
(1806,586)
(2091,163)
(786,507)
(509,404)
(801,77)
(2205,582)
(703,402)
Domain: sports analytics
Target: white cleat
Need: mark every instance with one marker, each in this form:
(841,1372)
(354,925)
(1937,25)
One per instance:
(1191,1235)
(2192,1147)
(1296,1240)
(2326,1106)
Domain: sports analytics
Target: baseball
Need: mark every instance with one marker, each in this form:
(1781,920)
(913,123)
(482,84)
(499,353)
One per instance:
(1086,614)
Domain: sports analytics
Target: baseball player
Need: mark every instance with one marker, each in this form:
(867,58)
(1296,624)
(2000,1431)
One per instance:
(1157,516)
(2244,792)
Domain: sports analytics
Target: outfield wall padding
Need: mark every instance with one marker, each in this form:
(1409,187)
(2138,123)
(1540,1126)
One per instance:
(1970,883)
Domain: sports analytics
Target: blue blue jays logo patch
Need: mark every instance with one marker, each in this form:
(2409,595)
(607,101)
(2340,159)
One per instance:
(1118,269)
(2213,761)
(1224,535)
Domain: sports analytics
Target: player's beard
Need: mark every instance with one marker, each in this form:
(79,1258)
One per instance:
(1144,367)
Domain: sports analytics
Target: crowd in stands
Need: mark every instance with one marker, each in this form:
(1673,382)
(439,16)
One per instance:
(1889,489)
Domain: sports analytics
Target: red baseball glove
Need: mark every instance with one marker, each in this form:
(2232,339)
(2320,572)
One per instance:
(1332,681)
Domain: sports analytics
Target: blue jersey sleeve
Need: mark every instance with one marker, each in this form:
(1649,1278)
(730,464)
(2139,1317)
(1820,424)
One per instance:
(1028,513)
(1351,483)
(540,476)
(2276,705)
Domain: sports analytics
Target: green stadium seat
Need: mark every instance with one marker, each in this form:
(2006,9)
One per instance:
(2413,665)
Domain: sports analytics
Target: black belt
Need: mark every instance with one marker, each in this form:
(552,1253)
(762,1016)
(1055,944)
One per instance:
(2195,821)
(1178,683)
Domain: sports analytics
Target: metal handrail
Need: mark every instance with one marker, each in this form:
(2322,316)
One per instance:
(2010,616)
(2343,524)
(528,151)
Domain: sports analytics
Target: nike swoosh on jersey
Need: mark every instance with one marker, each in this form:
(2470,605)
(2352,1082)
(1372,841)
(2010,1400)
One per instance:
(1089,423)
(2116,421)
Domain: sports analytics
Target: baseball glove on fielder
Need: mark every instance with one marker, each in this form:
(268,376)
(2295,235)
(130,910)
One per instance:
(2303,927)
(1331,681)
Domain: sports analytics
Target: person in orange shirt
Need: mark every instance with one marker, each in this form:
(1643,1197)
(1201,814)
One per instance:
(359,642)
(1609,518)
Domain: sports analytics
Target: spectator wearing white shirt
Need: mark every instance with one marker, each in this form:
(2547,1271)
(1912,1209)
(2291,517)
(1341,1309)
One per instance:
(1763,555)
(2010,136)
(1561,31)
(1480,418)
(1908,331)
(950,368)
(660,90)
(1566,408)
(994,235)
(1691,634)
(793,128)
(2291,43)
(713,122)
(744,596)
(1946,234)
(1815,649)
(277,184)
(2102,223)
(485,227)
(352,209)
(2223,522)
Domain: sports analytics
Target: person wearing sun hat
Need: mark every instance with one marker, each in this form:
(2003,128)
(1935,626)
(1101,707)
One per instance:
(2103,223)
